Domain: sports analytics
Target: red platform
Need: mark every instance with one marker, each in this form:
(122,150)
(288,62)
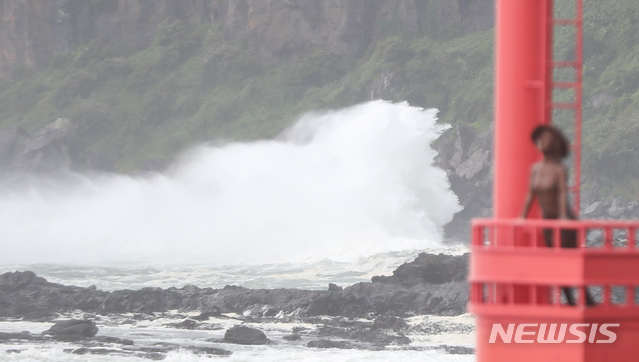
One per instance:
(515,278)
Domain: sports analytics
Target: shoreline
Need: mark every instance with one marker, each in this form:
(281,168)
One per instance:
(420,306)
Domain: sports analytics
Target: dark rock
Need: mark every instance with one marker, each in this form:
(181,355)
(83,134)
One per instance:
(73,328)
(363,333)
(431,284)
(10,282)
(327,343)
(208,351)
(428,269)
(334,287)
(212,312)
(156,352)
(389,322)
(458,349)
(16,336)
(186,324)
(245,335)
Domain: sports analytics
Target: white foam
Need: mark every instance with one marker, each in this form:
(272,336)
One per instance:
(146,333)
(290,275)
(265,354)
(338,185)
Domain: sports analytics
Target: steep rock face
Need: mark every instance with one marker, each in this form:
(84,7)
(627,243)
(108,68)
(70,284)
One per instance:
(467,159)
(33,31)
(43,151)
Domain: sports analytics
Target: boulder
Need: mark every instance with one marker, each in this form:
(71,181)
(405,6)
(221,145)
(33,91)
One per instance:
(73,328)
(245,335)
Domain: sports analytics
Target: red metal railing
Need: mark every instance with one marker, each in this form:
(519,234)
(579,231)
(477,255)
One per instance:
(529,233)
(514,269)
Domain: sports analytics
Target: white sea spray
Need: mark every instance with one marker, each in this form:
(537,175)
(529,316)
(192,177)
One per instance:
(340,185)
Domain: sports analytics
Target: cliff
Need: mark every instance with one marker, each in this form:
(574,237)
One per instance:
(32,32)
(143,80)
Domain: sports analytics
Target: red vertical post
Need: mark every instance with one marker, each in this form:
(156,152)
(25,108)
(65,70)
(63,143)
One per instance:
(522,92)
(523,89)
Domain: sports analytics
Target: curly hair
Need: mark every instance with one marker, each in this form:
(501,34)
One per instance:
(559,146)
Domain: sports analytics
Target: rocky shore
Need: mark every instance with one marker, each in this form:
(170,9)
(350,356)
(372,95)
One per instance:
(431,284)
(371,315)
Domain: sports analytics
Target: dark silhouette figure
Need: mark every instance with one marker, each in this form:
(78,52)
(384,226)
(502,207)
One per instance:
(548,184)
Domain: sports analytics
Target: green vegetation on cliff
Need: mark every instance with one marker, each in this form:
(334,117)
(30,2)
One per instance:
(192,86)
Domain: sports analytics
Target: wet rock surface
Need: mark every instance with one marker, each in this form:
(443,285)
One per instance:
(428,269)
(73,329)
(431,284)
(245,335)
(327,343)
(369,315)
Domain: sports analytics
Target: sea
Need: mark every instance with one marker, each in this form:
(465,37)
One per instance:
(338,197)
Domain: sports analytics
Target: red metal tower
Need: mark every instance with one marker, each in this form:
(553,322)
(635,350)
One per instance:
(515,279)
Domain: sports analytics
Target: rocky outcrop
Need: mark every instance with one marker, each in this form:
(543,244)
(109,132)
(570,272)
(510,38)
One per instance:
(428,269)
(415,288)
(33,32)
(45,150)
(466,156)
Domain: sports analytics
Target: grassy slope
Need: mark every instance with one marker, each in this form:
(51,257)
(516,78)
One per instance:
(191,86)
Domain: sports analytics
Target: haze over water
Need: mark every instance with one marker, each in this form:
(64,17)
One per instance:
(339,185)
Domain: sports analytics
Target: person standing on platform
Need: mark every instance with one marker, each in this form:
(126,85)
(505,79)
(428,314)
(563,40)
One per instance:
(548,184)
